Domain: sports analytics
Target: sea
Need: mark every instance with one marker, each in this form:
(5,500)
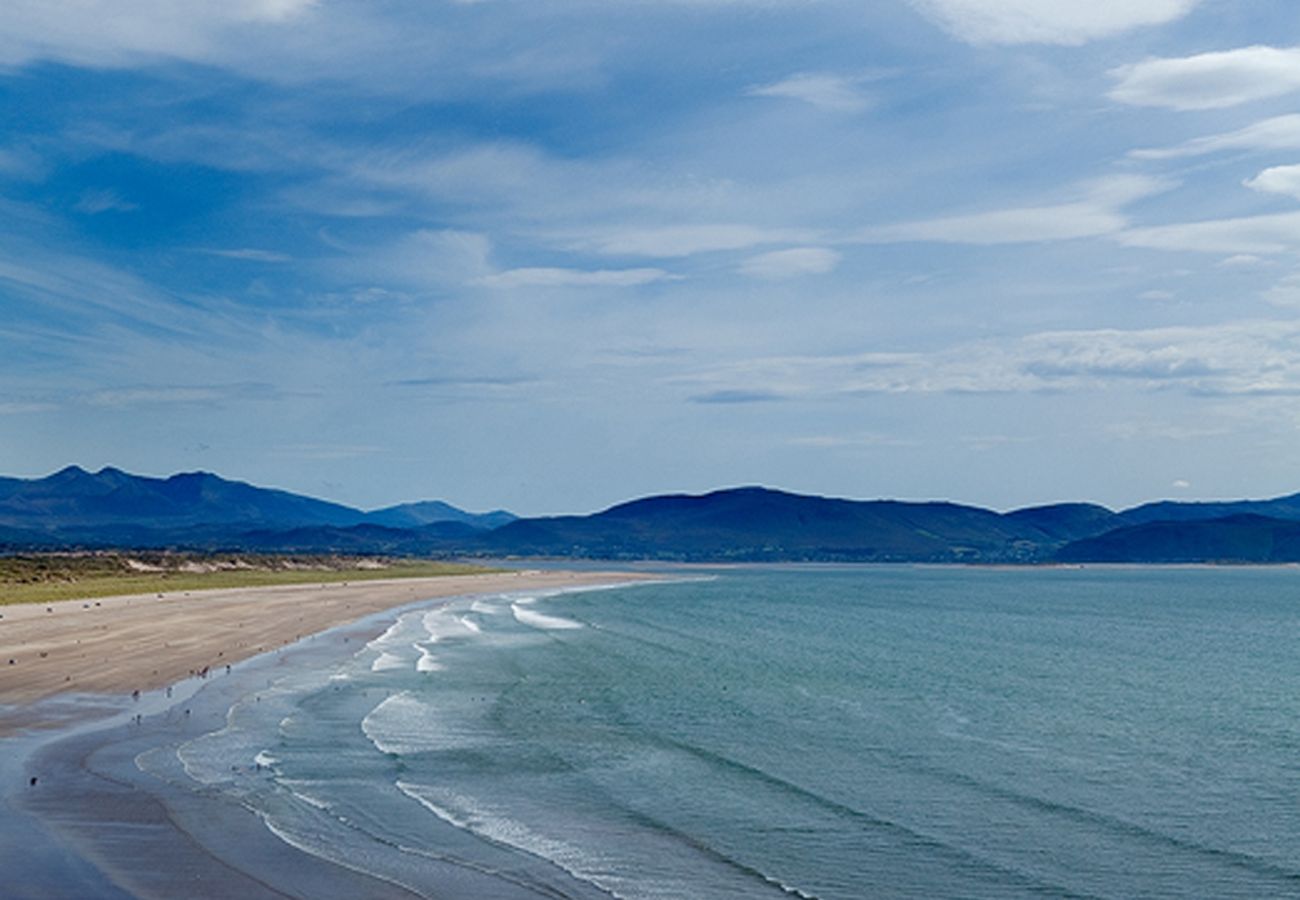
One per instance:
(799,731)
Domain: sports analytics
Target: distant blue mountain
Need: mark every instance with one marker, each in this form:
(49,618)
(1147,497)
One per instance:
(73,498)
(755,523)
(1287,508)
(1066,521)
(429,512)
(111,508)
(114,507)
(1243,538)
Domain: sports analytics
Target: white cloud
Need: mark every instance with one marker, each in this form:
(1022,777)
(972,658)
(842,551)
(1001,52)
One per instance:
(1029,224)
(1235,358)
(83,290)
(18,408)
(557,277)
(430,258)
(686,240)
(1210,80)
(172,394)
(1276,133)
(21,163)
(121,32)
(1240,260)
(424,259)
(1248,236)
(251,254)
(823,90)
(791,263)
(94,202)
(851,441)
(1277,180)
(1047,21)
(1098,212)
(1286,293)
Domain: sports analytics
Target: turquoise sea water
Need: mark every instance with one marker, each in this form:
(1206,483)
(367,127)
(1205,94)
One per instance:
(813,732)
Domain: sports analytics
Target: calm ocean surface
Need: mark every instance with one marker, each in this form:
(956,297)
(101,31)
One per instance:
(837,732)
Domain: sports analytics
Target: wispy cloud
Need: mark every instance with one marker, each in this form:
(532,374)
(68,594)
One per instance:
(686,240)
(1099,211)
(1276,133)
(493,381)
(1047,21)
(1286,293)
(121,32)
(179,394)
(824,90)
(1210,80)
(1243,358)
(250,254)
(423,259)
(791,263)
(733,396)
(1277,180)
(19,408)
(558,277)
(1246,235)
(850,441)
(94,202)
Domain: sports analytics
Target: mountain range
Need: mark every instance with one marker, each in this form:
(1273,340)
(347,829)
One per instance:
(74,508)
(112,507)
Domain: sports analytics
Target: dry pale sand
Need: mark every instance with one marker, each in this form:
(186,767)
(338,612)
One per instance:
(117,645)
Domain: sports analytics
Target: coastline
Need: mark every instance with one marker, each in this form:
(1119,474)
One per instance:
(144,642)
(95,824)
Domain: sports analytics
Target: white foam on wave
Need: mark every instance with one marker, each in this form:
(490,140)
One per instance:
(311,840)
(480,605)
(214,757)
(404,724)
(533,618)
(388,637)
(443,624)
(386,661)
(300,789)
(463,813)
(427,661)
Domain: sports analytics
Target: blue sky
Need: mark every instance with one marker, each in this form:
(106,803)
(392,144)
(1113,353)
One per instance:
(553,254)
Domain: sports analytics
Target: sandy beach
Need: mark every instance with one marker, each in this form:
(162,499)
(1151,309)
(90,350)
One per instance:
(118,645)
(96,824)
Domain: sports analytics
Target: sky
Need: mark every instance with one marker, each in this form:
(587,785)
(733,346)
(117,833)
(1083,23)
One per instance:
(550,255)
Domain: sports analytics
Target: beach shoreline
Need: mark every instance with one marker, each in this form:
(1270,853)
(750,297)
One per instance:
(142,642)
(104,827)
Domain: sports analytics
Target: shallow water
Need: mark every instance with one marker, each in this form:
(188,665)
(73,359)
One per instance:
(834,732)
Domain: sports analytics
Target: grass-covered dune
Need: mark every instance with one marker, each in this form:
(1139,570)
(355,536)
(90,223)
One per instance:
(46,577)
